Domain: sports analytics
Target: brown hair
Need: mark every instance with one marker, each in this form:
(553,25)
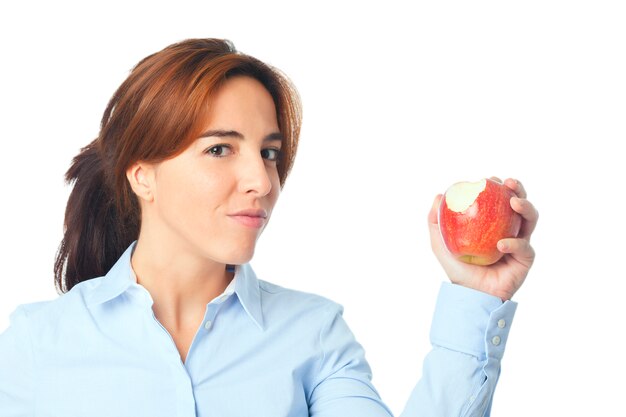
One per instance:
(154,115)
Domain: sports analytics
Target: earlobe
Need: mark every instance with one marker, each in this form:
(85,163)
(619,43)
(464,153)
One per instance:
(139,176)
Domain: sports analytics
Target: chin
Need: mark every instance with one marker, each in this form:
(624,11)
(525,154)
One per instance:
(239,260)
(238,256)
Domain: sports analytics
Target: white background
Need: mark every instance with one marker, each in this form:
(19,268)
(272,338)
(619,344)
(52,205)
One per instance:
(400,101)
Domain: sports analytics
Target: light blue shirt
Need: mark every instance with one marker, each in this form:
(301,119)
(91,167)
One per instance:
(262,350)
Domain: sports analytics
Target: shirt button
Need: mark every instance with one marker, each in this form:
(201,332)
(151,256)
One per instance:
(495,340)
(501,323)
(207,325)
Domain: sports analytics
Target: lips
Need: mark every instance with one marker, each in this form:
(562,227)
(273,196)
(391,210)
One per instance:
(254,218)
(251,213)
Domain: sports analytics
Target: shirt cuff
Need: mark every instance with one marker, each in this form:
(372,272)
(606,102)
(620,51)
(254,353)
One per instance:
(471,321)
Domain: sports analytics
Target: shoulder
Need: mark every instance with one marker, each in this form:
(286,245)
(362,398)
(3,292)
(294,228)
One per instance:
(48,313)
(284,294)
(293,303)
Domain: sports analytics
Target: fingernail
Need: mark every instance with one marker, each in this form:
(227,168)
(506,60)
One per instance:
(503,246)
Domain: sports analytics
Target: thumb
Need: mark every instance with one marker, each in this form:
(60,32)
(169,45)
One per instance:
(436,241)
(434,210)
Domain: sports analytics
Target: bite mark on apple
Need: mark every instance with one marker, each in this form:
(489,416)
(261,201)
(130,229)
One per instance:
(461,196)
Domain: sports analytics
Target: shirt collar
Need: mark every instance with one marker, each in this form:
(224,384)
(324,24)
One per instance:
(121,276)
(249,293)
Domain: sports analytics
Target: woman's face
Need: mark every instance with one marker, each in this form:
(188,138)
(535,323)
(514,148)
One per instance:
(231,168)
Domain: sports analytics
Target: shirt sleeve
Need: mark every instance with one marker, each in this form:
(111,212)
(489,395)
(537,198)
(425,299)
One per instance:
(344,386)
(16,368)
(468,335)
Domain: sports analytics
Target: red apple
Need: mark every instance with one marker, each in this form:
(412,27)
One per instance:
(474,216)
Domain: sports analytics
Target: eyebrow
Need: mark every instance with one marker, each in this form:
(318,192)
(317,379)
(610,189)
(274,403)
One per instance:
(234,134)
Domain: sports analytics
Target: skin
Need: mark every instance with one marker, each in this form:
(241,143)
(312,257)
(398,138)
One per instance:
(506,276)
(187,237)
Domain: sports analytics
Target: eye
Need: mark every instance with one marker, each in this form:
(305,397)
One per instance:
(218,151)
(271,154)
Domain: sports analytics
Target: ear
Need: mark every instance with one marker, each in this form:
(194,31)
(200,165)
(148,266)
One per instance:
(141,178)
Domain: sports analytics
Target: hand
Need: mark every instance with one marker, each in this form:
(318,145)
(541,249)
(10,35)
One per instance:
(506,276)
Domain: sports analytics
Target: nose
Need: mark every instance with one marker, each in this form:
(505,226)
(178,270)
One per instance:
(255,177)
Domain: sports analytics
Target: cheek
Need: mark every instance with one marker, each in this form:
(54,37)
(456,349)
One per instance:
(191,200)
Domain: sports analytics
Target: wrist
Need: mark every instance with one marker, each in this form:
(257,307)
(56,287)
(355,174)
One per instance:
(480,285)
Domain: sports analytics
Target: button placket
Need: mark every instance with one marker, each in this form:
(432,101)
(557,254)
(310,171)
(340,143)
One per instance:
(212,310)
(180,376)
(209,318)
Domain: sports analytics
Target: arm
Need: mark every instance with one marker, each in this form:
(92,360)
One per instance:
(469,334)
(459,374)
(470,329)
(342,384)
(16,368)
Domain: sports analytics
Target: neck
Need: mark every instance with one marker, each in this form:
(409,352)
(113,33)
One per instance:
(181,284)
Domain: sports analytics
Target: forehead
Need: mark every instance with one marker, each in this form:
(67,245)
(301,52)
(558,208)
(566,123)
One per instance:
(241,108)
(242,98)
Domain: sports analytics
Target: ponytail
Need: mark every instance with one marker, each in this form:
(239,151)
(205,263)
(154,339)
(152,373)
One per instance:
(95,235)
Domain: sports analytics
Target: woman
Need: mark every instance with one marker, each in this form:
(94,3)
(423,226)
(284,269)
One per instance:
(162,314)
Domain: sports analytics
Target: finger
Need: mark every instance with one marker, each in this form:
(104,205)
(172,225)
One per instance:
(496,179)
(519,249)
(529,214)
(516,186)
